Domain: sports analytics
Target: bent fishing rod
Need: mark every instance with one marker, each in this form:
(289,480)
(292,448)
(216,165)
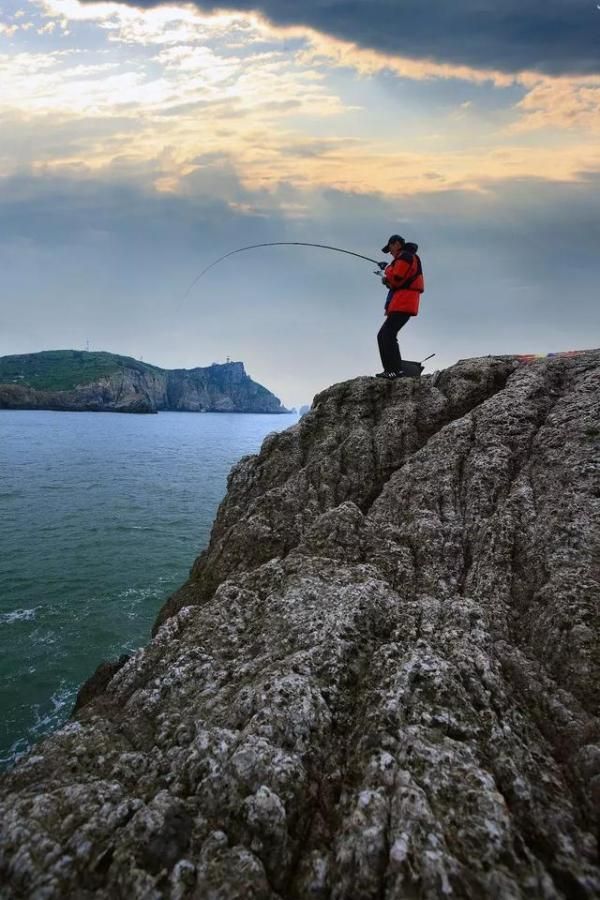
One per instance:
(381,265)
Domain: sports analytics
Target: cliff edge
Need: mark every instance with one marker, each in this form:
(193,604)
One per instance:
(380,680)
(82,381)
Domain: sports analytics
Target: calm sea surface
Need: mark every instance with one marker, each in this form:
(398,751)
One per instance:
(101,517)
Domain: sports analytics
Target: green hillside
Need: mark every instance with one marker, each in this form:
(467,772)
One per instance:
(63,370)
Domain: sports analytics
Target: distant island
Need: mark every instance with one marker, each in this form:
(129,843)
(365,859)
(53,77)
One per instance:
(79,380)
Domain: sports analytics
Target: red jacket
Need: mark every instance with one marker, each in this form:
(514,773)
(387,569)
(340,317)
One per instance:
(406,270)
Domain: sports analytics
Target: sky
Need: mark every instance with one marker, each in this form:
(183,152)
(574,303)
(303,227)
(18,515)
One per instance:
(140,142)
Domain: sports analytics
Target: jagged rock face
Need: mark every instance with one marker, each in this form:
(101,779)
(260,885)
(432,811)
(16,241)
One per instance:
(225,388)
(126,392)
(137,388)
(379,681)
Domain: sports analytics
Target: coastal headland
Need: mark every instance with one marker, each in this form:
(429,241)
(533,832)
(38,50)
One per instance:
(79,380)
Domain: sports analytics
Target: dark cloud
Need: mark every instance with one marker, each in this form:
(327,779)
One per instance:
(552,36)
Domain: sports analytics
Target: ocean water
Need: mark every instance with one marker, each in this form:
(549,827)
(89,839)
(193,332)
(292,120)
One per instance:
(101,518)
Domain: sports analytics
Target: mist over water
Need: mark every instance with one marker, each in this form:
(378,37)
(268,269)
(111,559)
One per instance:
(101,518)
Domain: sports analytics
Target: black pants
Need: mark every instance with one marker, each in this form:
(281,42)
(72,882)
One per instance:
(388,344)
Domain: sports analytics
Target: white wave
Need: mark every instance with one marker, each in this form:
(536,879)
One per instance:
(18,615)
(61,698)
(44,721)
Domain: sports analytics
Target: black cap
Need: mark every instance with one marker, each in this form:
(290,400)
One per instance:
(394,237)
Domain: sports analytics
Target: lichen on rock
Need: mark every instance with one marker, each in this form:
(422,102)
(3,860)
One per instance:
(380,679)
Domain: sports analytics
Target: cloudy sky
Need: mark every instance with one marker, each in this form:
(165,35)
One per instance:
(140,142)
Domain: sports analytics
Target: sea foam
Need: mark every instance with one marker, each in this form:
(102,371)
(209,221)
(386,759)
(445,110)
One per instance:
(18,615)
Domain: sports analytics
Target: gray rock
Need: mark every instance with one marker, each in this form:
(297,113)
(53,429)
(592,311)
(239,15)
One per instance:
(381,679)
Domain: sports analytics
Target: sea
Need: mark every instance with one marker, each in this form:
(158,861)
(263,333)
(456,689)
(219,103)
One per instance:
(101,518)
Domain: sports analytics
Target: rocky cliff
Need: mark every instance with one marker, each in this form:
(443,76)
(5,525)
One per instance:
(77,380)
(380,681)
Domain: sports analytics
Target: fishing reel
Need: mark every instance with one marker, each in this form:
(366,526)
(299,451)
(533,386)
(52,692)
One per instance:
(381,267)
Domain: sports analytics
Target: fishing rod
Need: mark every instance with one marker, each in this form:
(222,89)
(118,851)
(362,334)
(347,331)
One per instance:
(279,244)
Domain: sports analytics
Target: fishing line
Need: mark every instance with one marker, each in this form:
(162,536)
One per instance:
(272,244)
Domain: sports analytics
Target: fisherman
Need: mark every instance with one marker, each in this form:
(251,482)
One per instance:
(404,279)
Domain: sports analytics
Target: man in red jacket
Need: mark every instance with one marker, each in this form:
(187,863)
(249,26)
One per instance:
(404,280)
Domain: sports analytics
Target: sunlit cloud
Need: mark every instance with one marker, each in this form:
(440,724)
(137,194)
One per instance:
(175,93)
(159,25)
(325,50)
(559,101)
(563,103)
(366,168)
